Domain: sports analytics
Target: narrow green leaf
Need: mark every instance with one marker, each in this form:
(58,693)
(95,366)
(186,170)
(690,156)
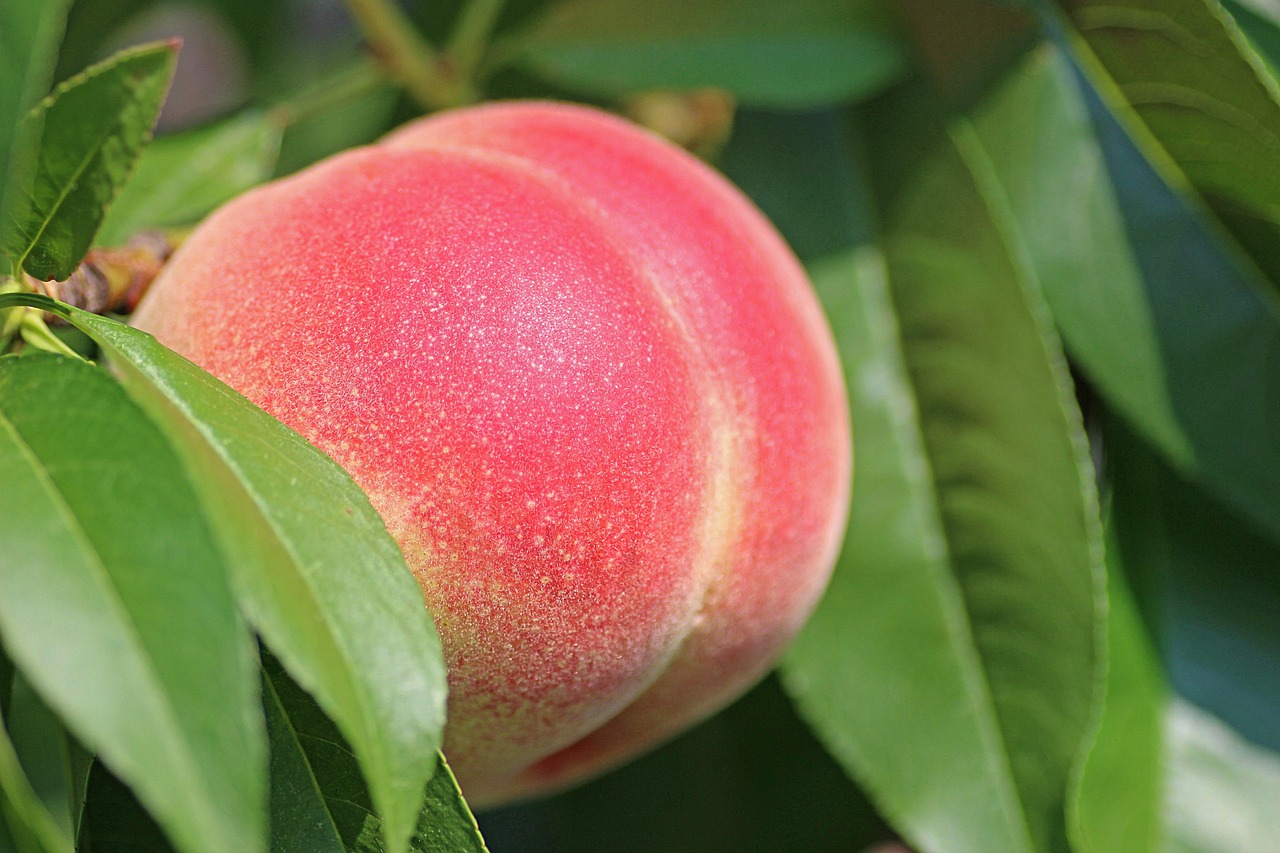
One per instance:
(318,804)
(1163,316)
(150,666)
(94,126)
(314,567)
(1222,789)
(181,178)
(56,766)
(1193,79)
(968,596)
(29,32)
(799,53)
(1121,792)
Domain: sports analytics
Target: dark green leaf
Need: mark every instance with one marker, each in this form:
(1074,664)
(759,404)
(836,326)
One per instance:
(6,683)
(25,825)
(314,567)
(751,778)
(29,31)
(94,127)
(56,766)
(1212,580)
(969,590)
(1223,790)
(115,605)
(795,166)
(1197,85)
(114,820)
(798,53)
(181,178)
(1209,580)
(318,802)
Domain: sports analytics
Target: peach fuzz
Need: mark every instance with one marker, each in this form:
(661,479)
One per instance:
(586,385)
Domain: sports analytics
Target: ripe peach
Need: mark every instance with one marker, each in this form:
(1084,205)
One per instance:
(586,385)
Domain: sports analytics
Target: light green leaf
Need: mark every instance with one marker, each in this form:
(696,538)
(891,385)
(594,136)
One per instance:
(1222,789)
(1195,82)
(314,568)
(799,53)
(29,32)
(318,804)
(150,666)
(94,126)
(181,178)
(968,599)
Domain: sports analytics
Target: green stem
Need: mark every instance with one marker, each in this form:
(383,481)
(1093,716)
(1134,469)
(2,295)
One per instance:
(471,34)
(412,62)
(13,317)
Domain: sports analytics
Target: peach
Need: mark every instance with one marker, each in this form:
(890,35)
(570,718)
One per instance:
(586,385)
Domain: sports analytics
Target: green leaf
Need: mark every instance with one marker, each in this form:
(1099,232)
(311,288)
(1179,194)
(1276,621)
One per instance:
(115,605)
(114,820)
(1260,22)
(6,683)
(969,590)
(446,824)
(1213,578)
(1208,578)
(1222,789)
(1163,317)
(56,766)
(25,826)
(29,32)
(751,778)
(318,804)
(798,53)
(1121,792)
(1195,82)
(795,166)
(181,178)
(94,127)
(314,568)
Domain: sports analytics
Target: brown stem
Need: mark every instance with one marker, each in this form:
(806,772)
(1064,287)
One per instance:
(112,280)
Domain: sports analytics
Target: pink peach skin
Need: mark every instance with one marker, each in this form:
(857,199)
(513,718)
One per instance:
(588,388)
